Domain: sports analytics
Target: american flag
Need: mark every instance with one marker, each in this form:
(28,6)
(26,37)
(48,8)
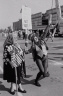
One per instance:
(17,56)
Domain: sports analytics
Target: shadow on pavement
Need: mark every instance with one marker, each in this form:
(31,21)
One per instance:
(59,47)
(62,67)
(28,76)
(0,82)
(59,58)
(56,53)
(25,81)
(56,58)
(3,88)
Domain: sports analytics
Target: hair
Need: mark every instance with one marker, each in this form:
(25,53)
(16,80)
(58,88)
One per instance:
(9,40)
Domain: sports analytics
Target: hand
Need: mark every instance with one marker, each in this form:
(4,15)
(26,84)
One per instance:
(13,65)
(7,60)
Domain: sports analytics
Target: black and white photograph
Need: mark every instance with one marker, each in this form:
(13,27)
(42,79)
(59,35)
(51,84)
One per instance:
(31,47)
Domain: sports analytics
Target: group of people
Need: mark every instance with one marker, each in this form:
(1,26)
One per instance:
(13,59)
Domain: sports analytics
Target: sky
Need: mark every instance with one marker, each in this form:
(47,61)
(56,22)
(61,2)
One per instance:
(10,9)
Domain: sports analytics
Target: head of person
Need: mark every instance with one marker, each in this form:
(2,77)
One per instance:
(9,30)
(15,39)
(9,39)
(35,39)
(37,33)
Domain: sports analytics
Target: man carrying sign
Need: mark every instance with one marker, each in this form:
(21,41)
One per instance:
(26,23)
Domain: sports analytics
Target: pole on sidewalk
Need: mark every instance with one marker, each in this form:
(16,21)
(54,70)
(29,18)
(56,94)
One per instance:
(26,41)
(16,79)
(17,93)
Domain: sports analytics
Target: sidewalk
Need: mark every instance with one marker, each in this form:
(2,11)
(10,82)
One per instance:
(50,86)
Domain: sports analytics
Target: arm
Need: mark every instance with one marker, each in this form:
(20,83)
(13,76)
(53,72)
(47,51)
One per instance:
(47,27)
(46,45)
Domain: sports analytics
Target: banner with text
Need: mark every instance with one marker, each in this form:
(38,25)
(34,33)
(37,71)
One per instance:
(26,18)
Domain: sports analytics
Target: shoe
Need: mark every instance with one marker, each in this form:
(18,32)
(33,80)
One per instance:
(12,92)
(37,84)
(46,74)
(22,91)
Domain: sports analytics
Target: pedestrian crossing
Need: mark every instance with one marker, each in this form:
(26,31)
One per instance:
(55,62)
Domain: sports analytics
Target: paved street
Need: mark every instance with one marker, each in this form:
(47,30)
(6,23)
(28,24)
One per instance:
(50,86)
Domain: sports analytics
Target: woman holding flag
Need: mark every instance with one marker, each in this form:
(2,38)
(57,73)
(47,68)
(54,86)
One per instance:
(10,63)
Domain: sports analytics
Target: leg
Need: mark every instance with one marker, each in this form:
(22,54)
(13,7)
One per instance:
(45,65)
(40,65)
(24,68)
(13,88)
(20,89)
(52,38)
(38,76)
(19,80)
(41,70)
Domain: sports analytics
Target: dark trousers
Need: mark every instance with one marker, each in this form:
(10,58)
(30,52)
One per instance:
(23,69)
(42,64)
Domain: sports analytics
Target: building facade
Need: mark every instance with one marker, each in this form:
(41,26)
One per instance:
(40,20)
(17,25)
(54,18)
(54,14)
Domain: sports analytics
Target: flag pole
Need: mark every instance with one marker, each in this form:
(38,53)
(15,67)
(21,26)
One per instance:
(26,40)
(16,80)
(17,93)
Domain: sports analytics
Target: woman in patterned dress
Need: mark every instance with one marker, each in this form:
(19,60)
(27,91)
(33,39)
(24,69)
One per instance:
(9,68)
